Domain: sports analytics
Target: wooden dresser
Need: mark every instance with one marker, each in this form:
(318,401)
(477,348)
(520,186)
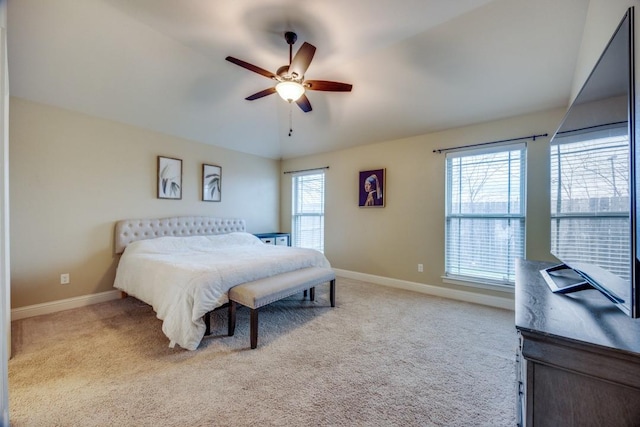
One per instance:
(578,359)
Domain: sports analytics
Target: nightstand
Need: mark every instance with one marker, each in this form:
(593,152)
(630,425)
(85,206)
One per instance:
(275,238)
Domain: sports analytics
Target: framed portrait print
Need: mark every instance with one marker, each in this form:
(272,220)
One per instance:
(371,184)
(169,178)
(211,183)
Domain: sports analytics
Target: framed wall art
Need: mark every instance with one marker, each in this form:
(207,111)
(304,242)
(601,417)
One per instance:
(169,178)
(211,183)
(371,184)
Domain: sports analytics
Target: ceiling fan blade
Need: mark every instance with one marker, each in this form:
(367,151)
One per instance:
(327,86)
(301,61)
(304,104)
(251,67)
(260,94)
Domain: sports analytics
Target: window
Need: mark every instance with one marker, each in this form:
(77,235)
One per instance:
(485,213)
(590,202)
(308,210)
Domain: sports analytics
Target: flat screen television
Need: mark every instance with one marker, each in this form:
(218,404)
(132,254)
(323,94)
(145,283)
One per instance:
(594,182)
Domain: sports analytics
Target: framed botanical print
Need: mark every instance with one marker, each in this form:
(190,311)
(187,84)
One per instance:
(169,178)
(371,184)
(211,183)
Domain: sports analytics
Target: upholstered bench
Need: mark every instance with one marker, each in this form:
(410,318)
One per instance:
(265,291)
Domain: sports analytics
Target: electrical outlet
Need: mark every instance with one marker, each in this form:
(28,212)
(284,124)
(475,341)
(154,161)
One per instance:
(64,279)
(420,268)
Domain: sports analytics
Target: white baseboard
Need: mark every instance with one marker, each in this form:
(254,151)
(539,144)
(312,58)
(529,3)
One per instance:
(474,297)
(65,304)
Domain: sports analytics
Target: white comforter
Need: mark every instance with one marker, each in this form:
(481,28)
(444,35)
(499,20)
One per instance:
(183,278)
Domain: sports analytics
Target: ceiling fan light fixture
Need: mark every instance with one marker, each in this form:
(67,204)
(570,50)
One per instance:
(290,91)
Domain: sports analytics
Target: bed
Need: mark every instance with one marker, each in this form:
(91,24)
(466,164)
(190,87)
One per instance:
(184,267)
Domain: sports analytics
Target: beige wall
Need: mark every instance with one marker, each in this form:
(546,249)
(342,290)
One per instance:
(73,176)
(391,241)
(603,17)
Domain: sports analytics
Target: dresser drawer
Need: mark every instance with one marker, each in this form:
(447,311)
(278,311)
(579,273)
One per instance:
(268,240)
(282,240)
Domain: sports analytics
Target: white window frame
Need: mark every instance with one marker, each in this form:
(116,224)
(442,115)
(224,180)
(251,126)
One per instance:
(503,280)
(297,215)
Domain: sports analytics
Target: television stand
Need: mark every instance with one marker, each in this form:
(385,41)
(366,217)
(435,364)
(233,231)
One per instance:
(562,279)
(578,359)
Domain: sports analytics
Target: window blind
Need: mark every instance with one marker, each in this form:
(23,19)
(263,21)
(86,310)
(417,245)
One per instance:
(307,229)
(590,201)
(485,213)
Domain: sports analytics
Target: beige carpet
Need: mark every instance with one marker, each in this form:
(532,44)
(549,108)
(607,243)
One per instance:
(382,357)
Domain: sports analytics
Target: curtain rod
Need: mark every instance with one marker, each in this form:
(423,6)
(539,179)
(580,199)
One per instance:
(593,127)
(307,170)
(444,150)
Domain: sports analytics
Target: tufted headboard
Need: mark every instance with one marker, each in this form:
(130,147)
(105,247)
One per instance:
(130,230)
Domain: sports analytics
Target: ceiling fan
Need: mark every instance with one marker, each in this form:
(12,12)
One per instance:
(291,85)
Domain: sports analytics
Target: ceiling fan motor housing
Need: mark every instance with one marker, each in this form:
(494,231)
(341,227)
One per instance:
(283,71)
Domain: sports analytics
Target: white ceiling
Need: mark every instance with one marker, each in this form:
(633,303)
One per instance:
(417,66)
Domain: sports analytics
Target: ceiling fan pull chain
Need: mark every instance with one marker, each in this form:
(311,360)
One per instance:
(290,119)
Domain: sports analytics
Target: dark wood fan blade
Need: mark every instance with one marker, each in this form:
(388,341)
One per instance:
(304,104)
(327,86)
(251,67)
(301,61)
(261,94)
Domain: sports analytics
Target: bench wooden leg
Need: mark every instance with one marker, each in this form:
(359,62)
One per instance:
(232,318)
(312,294)
(332,292)
(254,327)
